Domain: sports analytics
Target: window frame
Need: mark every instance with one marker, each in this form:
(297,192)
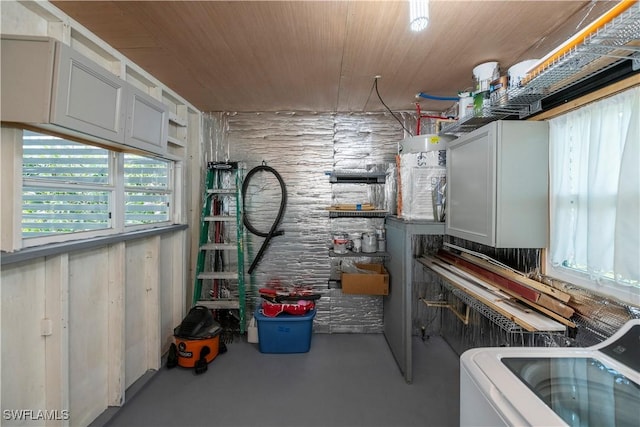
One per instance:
(604,286)
(170,190)
(116,188)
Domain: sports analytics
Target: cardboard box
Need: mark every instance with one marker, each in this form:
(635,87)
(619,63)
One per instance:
(366,284)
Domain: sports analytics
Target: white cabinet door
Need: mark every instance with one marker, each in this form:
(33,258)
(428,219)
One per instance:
(497,185)
(86,98)
(471,184)
(147,122)
(26,69)
(48,84)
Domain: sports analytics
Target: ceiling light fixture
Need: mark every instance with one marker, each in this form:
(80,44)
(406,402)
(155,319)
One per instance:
(418,14)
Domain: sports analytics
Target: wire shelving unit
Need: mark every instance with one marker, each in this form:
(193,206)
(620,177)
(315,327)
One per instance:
(614,42)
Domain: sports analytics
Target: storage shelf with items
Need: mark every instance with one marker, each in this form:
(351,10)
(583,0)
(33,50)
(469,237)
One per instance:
(607,42)
(355,210)
(357,228)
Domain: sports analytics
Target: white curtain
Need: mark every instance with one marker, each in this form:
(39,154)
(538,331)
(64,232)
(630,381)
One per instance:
(595,189)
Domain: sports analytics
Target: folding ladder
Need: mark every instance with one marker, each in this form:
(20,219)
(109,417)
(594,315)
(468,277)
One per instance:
(219,278)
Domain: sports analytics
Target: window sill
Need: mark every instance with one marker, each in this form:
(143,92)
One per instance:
(58,248)
(627,295)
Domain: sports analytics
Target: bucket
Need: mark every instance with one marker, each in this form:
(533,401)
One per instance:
(369,242)
(423,143)
(484,74)
(519,71)
(340,242)
(356,242)
(465,104)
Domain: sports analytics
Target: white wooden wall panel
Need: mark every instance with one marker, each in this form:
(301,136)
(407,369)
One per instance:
(17,19)
(116,315)
(152,303)
(172,282)
(80,364)
(135,340)
(166,294)
(23,346)
(56,332)
(79,328)
(142,311)
(10,189)
(88,334)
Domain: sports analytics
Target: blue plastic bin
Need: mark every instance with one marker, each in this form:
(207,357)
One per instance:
(285,333)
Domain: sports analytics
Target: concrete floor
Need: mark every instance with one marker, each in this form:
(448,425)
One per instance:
(344,380)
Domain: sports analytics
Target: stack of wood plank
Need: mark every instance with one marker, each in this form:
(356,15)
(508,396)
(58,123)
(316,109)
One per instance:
(543,298)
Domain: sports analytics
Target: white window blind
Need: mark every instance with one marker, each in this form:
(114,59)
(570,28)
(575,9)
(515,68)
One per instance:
(147,190)
(67,186)
(595,191)
(70,187)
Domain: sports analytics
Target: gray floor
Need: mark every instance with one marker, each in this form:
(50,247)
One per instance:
(344,380)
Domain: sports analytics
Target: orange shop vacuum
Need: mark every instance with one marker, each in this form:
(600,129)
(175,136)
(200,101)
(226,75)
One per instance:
(197,341)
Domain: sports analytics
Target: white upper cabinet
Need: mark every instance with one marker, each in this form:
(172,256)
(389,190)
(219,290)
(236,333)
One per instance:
(497,185)
(147,122)
(47,84)
(27,69)
(86,98)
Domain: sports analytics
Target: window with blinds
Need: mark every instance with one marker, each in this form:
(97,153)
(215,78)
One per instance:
(70,187)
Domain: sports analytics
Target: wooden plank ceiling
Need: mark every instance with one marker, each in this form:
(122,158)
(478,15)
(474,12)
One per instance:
(323,55)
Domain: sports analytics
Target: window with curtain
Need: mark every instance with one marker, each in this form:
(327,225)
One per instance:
(595,195)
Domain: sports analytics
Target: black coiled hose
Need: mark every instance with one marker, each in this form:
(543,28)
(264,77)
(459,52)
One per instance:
(273,231)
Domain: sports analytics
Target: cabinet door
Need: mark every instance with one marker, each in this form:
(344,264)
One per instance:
(471,186)
(87,98)
(147,121)
(26,69)
(522,207)
(497,185)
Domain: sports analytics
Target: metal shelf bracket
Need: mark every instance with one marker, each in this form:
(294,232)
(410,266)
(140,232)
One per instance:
(464,318)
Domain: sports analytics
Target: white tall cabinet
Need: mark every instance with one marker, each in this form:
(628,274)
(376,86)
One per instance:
(497,185)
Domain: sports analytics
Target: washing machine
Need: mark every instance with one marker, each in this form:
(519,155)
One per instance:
(532,386)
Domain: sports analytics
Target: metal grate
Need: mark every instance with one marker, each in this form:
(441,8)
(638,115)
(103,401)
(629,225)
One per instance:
(614,42)
(495,317)
(357,214)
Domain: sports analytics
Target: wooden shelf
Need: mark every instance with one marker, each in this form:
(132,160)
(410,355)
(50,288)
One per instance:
(176,141)
(177,120)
